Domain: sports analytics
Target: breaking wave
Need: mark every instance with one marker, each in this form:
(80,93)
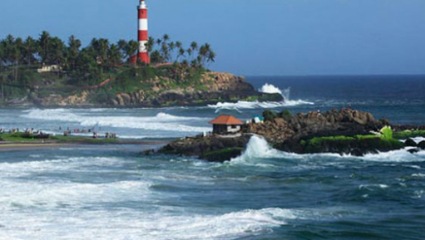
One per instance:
(161,121)
(258,150)
(267,88)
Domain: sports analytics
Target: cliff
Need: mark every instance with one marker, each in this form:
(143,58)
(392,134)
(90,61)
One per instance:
(143,87)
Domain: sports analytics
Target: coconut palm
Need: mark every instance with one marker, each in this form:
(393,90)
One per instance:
(43,43)
(74,45)
(29,51)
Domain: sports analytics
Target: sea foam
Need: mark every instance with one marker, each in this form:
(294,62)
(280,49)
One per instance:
(161,121)
(266,88)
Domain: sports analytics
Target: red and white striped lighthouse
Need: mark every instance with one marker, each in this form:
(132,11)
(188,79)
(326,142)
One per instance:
(143,32)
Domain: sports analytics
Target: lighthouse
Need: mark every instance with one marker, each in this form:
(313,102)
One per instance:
(143,36)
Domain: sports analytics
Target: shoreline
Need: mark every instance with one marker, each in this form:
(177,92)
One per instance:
(13,146)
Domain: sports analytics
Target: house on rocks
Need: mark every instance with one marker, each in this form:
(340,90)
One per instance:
(226,124)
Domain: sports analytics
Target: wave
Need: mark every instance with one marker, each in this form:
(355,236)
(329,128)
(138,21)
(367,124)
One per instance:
(267,88)
(401,155)
(258,150)
(161,121)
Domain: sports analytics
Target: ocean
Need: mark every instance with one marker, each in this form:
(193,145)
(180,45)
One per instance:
(115,192)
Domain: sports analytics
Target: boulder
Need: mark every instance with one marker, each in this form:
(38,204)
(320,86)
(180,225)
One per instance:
(410,143)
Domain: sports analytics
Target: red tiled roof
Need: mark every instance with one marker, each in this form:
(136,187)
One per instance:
(226,120)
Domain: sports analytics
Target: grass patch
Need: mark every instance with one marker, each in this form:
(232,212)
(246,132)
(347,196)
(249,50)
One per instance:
(409,134)
(25,138)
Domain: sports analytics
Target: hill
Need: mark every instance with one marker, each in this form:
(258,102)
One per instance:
(49,73)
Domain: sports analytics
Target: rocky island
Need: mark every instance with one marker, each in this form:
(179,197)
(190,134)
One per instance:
(344,131)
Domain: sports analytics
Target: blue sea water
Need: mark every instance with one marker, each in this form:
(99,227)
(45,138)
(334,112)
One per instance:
(114,192)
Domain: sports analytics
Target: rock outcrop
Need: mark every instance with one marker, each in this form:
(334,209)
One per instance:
(304,125)
(293,134)
(212,148)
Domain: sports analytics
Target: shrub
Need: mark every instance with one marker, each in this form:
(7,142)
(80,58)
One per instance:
(387,133)
(285,114)
(269,115)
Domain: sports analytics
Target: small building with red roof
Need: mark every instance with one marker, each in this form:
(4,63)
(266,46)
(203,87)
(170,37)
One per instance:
(226,124)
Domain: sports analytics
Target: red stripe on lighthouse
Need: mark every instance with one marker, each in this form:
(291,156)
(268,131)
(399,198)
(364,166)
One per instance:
(143,14)
(143,35)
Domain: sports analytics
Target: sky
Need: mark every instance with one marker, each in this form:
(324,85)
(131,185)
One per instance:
(250,37)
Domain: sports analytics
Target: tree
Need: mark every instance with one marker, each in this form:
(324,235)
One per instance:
(194,46)
(29,51)
(100,49)
(56,51)
(165,38)
(150,44)
(114,55)
(165,53)
(74,45)
(156,57)
(181,53)
(43,43)
(171,47)
(131,48)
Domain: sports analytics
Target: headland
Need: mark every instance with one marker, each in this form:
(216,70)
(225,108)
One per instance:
(48,73)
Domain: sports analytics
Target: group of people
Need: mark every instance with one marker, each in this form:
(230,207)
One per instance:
(17,130)
(107,135)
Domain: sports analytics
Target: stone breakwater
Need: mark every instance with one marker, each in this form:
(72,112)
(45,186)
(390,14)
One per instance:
(290,134)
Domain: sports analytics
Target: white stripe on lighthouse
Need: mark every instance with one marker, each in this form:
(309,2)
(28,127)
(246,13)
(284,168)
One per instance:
(142,46)
(143,24)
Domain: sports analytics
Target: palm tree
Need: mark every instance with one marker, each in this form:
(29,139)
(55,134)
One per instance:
(165,52)
(211,56)
(131,49)
(114,55)
(181,53)
(74,45)
(171,47)
(122,46)
(29,50)
(56,51)
(165,38)
(43,43)
(150,44)
(189,53)
(194,46)
(158,42)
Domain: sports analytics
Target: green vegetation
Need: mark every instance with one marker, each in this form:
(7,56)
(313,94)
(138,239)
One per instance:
(409,134)
(371,142)
(386,133)
(26,138)
(271,115)
(70,68)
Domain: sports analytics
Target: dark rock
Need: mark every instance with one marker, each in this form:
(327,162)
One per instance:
(413,150)
(421,145)
(213,147)
(410,143)
(148,152)
(357,152)
(222,155)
